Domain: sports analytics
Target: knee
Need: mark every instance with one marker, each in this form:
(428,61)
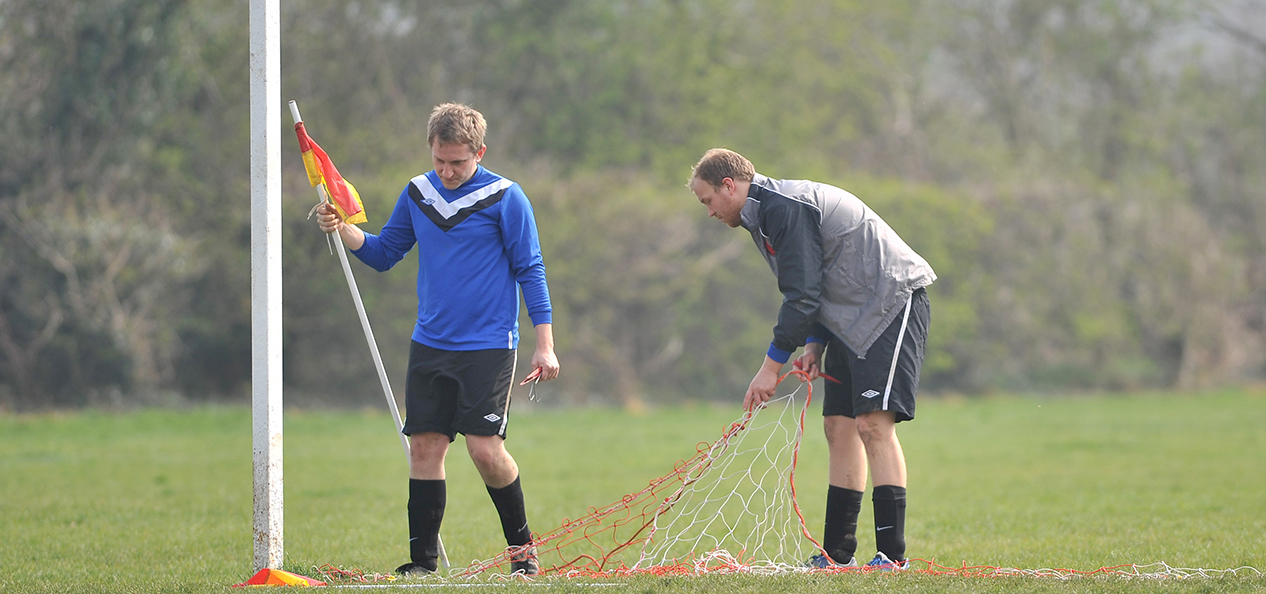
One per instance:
(482,458)
(876,427)
(428,446)
(486,454)
(838,429)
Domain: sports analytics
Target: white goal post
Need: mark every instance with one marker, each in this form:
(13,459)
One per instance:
(266,281)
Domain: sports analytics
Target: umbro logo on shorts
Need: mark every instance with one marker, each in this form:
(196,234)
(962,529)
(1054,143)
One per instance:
(869,394)
(492,417)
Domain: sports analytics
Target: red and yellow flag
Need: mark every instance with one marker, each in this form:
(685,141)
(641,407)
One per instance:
(321,171)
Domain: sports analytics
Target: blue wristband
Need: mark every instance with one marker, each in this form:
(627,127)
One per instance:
(777,354)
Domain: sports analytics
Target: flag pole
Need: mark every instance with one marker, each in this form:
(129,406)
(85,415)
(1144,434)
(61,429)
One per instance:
(369,333)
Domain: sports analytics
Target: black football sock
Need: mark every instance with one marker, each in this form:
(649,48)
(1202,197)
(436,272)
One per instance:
(509,502)
(427,499)
(890,520)
(839,538)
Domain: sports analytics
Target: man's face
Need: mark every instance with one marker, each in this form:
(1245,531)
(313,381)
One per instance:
(455,163)
(723,202)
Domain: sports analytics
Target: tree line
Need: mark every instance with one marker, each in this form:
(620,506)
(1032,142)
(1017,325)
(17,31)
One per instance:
(1086,176)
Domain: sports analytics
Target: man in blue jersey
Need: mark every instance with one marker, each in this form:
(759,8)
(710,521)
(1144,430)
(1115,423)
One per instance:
(477,247)
(854,297)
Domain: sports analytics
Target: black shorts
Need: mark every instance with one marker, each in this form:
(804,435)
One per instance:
(887,378)
(453,392)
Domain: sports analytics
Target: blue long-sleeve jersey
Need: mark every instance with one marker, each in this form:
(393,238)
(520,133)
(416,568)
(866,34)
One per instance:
(477,245)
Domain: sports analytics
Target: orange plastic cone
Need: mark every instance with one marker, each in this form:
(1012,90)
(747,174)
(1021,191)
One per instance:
(277,577)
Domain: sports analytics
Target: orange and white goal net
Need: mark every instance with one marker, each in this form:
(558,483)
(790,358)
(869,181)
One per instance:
(730,507)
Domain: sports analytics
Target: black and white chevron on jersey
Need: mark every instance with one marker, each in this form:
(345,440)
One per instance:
(447,215)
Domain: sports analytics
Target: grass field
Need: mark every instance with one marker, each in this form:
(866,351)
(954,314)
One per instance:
(160,500)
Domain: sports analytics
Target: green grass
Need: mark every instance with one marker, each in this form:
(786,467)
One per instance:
(160,500)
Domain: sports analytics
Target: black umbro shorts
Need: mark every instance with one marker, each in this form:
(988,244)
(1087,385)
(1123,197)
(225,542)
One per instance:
(453,392)
(887,378)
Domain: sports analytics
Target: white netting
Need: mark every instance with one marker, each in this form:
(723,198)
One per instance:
(730,507)
(1150,571)
(736,508)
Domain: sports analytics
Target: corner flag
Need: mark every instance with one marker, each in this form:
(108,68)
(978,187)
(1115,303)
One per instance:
(321,171)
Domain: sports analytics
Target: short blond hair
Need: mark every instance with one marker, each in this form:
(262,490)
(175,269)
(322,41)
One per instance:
(455,123)
(719,163)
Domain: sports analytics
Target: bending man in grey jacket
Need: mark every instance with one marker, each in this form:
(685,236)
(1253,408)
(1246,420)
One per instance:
(854,297)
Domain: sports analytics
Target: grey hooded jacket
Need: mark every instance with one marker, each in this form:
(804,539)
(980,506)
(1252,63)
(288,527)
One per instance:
(838,264)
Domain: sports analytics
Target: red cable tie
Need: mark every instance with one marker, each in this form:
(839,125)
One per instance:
(531,376)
